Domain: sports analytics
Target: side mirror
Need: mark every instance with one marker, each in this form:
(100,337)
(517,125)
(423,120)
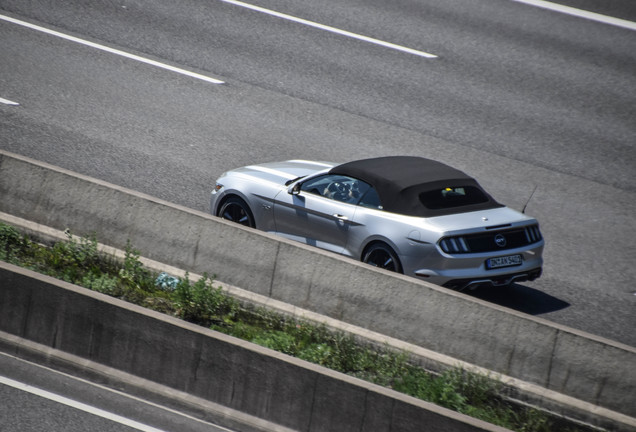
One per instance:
(294,189)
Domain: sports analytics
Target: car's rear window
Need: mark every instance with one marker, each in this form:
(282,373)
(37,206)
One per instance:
(452,197)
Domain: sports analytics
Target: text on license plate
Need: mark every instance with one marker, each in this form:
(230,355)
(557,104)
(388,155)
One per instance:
(505,261)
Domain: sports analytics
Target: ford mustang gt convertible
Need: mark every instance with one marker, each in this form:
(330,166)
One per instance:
(406,214)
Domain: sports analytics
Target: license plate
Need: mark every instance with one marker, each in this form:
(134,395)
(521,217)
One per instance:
(506,261)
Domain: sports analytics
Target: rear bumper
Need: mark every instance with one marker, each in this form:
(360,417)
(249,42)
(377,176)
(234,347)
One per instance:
(499,280)
(468,271)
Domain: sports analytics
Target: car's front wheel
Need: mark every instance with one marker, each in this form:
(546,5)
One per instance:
(381,255)
(237,210)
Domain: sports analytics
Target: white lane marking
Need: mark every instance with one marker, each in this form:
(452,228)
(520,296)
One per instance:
(331,29)
(117,392)
(77,405)
(630,25)
(8,102)
(112,50)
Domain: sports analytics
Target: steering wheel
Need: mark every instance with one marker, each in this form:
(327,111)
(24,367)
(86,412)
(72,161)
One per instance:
(338,191)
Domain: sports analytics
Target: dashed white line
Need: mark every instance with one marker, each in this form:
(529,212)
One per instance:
(77,405)
(112,50)
(580,13)
(8,102)
(330,29)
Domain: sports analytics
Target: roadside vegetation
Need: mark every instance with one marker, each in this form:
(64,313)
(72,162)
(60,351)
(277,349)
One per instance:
(78,261)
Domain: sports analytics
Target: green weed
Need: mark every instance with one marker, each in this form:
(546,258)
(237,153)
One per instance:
(202,304)
(13,245)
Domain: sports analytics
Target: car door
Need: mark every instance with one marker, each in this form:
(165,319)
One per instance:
(319,213)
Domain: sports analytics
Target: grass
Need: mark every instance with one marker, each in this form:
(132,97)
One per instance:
(79,262)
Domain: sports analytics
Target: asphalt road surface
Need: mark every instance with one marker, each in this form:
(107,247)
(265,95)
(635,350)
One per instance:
(538,104)
(36,398)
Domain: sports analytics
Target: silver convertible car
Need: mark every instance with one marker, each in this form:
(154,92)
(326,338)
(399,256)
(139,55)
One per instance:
(406,214)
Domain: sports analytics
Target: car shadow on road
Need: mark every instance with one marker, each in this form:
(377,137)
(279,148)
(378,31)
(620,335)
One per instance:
(521,298)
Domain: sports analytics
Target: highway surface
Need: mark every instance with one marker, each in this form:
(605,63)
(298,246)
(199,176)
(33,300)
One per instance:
(36,398)
(538,103)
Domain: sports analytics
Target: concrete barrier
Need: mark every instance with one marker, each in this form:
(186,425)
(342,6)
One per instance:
(227,371)
(556,357)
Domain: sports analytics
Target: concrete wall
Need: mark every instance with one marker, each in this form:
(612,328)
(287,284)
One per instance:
(207,364)
(581,365)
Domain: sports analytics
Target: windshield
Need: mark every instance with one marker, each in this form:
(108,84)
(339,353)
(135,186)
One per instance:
(288,182)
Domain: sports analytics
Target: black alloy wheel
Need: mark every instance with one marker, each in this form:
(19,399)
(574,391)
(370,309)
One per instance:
(382,256)
(237,210)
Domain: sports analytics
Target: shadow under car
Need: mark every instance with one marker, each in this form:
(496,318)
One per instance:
(521,298)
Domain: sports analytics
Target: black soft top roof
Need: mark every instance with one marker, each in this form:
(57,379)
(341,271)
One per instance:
(399,181)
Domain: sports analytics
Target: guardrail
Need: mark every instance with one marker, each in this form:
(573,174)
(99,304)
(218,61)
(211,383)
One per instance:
(568,361)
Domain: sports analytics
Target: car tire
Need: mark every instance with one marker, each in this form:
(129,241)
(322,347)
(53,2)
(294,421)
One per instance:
(234,209)
(382,256)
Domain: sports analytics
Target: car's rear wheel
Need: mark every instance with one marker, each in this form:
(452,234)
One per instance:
(237,210)
(382,256)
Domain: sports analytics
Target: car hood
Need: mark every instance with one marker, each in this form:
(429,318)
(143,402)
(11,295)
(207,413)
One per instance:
(281,172)
(465,222)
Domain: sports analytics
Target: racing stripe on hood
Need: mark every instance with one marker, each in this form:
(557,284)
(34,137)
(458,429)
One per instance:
(278,173)
(320,164)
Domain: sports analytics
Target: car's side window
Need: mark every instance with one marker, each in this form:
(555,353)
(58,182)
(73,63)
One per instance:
(316,185)
(337,187)
(371,199)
